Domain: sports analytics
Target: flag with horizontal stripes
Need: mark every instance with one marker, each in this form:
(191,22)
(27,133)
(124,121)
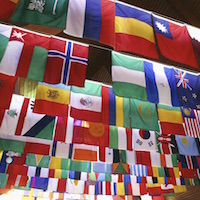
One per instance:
(115,109)
(128,75)
(52,100)
(133,29)
(191,122)
(70,59)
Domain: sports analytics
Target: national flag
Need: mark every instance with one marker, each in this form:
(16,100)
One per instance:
(46,13)
(37,148)
(143,158)
(106,154)
(180,188)
(160,84)
(174,41)
(189,162)
(12,145)
(143,115)
(7,9)
(80,166)
(187,145)
(144,140)
(140,170)
(7,85)
(194,35)
(166,144)
(188,88)
(24,122)
(115,109)
(52,100)
(171,120)
(66,62)
(86,103)
(102,167)
(191,119)
(154,189)
(168,160)
(37,160)
(96,134)
(133,29)
(128,75)
(75,187)
(120,138)
(85,152)
(167,189)
(91,19)
(5,31)
(39,183)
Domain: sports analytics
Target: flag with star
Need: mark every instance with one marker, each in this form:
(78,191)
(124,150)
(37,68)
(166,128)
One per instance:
(188,88)
(174,41)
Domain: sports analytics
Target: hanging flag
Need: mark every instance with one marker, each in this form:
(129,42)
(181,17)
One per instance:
(189,162)
(39,183)
(84,152)
(171,119)
(5,32)
(45,13)
(24,122)
(115,109)
(37,148)
(144,140)
(12,145)
(37,160)
(75,187)
(86,103)
(187,146)
(7,9)
(143,115)
(133,29)
(7,85)
(166,144)
(52,99)
(91,19)
(143,158)
(160,83)
(128,75)
(194,35)
(66,62)
(120,138)
(96,134)
(188,89)
(191,119)
(174,41)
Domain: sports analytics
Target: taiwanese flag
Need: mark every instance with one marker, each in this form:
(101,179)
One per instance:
(7,8)
(174,42)
(134,31)
(7,85)
(66,62)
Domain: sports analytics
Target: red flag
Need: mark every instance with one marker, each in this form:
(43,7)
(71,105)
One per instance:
(7,85)
(7,7)
(143,158)
(174,42)
(36,148)
(66,62)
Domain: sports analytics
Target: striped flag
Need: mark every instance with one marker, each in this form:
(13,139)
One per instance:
(192,125)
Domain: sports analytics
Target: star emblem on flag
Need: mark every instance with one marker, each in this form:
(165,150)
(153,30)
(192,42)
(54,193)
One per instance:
(184,98)
(194,95)
(18,35)
(161,27)
(198,106)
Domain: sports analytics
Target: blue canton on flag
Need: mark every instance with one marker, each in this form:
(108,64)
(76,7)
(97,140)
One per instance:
(188,86)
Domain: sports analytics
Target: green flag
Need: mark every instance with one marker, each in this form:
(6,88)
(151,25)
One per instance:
(80,166)
(37,160)
(143,115)
(42,12)
(11,145)
(5,32)
(128,77)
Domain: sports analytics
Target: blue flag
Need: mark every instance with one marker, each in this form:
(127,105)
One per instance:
(188,86)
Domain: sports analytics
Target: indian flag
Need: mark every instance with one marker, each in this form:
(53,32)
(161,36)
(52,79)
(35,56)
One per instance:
(128,75)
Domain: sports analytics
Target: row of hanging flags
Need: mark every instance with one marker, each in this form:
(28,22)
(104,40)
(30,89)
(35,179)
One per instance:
(119,25)
(140,136)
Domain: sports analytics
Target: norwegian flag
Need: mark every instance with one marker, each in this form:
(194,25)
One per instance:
(192,125)
(66,62)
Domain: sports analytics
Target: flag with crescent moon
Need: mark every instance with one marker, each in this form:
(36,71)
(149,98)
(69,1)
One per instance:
(143,115)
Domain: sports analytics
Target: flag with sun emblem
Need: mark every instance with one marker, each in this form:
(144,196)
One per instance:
(52,100)
(174,41)
(143,115)
(188,87)
(86,102)
(144,140)
(187,145)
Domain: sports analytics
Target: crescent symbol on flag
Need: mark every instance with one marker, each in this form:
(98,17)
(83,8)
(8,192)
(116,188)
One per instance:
(140,112)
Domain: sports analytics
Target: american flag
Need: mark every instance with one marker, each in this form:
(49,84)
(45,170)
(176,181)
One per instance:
(192,125)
